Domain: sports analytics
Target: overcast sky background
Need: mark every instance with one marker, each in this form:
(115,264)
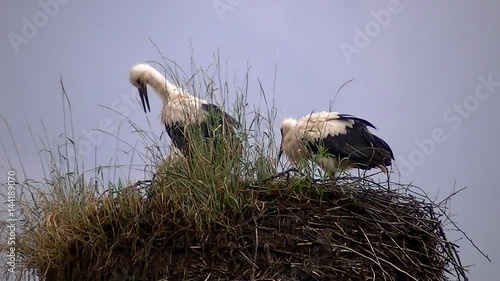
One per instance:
(408,78)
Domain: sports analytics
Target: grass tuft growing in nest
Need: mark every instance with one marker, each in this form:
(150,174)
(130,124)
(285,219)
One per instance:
(225,215)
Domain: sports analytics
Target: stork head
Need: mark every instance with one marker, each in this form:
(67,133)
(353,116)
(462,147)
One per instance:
(140,74)
(286,127)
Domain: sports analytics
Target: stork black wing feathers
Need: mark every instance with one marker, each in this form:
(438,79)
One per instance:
(176,133)
(357,144)
(356,119)
(217,113)
(208,129)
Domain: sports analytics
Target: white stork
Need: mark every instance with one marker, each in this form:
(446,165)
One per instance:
(344,139)
(182,112)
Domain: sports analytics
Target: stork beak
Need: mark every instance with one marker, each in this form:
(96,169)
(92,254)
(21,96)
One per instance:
(279,155)
(143,93)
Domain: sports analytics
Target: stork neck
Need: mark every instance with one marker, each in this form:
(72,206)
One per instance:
(163,87)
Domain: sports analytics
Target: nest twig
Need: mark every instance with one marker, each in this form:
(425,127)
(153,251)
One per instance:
(356,229)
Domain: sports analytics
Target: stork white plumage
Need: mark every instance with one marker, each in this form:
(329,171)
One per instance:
(344,139)
(182,113)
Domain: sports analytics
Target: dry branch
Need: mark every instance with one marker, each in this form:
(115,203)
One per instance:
(354,230)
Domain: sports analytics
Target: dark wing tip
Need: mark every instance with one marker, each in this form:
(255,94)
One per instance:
(219,111)
(359,145)
(357,119)
(384,149)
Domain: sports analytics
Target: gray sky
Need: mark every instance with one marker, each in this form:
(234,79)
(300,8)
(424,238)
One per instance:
(412,72)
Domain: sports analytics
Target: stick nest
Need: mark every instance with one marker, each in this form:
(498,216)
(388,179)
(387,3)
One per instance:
(289,229)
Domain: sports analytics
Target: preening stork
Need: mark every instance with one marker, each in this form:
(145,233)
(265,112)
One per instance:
(344,139)
(182,113)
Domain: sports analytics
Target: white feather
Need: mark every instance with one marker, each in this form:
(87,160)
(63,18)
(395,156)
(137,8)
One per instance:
(180,109)
(312,128)
(319,125)
(178,104)
(295,134)
(183,109)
